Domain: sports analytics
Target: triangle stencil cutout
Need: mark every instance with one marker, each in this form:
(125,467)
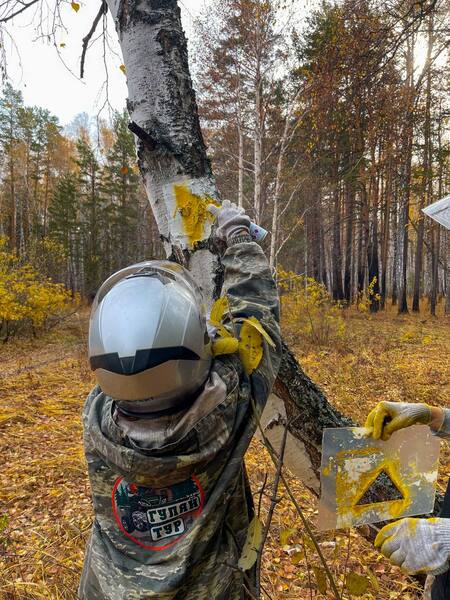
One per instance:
(382,479)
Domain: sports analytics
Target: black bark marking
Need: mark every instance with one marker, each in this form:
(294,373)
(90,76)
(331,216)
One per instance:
(149,142)
(123,13)
(180,256)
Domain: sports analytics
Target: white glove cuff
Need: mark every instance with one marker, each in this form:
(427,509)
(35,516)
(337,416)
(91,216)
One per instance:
(238,229)
(443,528)
(442,540)
(240,238)
(421,413)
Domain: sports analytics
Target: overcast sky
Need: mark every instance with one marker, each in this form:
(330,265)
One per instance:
(43,78)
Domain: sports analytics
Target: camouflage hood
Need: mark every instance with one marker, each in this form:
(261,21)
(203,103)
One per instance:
(160,451)
(170,494)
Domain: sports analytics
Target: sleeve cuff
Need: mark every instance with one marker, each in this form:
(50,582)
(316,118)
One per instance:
(239,239)
(444,431)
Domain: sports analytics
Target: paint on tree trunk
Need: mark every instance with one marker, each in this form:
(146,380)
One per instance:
(189,220)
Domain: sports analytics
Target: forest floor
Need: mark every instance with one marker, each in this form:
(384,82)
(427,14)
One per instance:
(45,507)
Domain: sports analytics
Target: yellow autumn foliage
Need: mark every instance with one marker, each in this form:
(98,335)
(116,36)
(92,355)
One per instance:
(27,298)
(367,297)
(45,518)
(307,310)
(250,347)
(225,345)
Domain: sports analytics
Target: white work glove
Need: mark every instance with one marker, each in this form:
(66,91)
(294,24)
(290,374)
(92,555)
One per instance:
(388,417)
(417,545)
(231,220)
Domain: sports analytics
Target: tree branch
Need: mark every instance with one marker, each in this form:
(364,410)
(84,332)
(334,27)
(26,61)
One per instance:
(102,11)
(273,503)
(21,10)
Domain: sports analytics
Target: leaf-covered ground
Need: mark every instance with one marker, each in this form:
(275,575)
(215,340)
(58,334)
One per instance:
(45,510)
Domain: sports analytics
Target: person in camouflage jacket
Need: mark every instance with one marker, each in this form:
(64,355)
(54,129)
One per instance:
(171,496)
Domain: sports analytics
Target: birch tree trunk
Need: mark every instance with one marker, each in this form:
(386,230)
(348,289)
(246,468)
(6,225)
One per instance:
(180,184)
(277,192)
(403,209)
(240,198)
(258,135)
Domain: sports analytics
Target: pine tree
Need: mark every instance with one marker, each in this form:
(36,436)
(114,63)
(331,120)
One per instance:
(10,106)
(120,189)
(64,225)
(91,215)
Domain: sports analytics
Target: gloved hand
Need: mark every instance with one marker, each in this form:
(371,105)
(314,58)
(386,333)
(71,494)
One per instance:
(417,545)
(388,417)
(231,220)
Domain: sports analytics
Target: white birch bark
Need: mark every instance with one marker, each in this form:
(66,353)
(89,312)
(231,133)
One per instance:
(240,164)
(288,133)
(240,129)
(258,134)
(277,192)
(171,152)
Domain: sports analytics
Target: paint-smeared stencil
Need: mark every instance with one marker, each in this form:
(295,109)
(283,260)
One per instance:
(187,206)
(355,468)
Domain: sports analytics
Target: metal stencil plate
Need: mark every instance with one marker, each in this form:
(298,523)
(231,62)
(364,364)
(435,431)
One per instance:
(354,466)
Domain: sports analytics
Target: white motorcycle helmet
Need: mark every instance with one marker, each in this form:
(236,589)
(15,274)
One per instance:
(148,343)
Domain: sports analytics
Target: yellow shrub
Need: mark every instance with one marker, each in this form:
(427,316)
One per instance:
(308,311)
(27,298)
(367,297)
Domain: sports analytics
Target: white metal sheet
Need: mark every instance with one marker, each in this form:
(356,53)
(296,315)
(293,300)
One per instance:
(352,464)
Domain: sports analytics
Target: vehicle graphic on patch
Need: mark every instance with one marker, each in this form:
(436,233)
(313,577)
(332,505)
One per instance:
(156,518)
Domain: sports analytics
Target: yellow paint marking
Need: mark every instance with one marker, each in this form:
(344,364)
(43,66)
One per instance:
(349,492)
(193,211)
(390,530)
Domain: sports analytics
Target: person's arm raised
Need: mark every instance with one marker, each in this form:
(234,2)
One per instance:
(248,283)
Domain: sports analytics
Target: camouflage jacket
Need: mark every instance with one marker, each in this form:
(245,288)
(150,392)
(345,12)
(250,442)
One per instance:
(172,504)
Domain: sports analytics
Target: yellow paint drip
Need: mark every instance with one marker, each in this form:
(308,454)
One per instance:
(194,212)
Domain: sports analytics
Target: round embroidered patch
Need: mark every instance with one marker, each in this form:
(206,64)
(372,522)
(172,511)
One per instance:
(157,518)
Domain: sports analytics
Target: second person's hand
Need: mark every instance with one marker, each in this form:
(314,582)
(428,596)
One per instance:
(388,417)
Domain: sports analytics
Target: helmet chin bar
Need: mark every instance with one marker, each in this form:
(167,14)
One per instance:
(168,391)
(142,409)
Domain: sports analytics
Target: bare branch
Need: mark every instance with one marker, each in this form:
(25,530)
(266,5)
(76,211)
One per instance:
(21,10)
(293,229)
(87,38)
(273,503)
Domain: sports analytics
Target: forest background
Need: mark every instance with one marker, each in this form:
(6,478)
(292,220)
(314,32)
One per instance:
(333,136)
(333,141)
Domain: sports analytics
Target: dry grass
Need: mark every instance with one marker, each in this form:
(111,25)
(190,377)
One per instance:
(380,357)
(45,510)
